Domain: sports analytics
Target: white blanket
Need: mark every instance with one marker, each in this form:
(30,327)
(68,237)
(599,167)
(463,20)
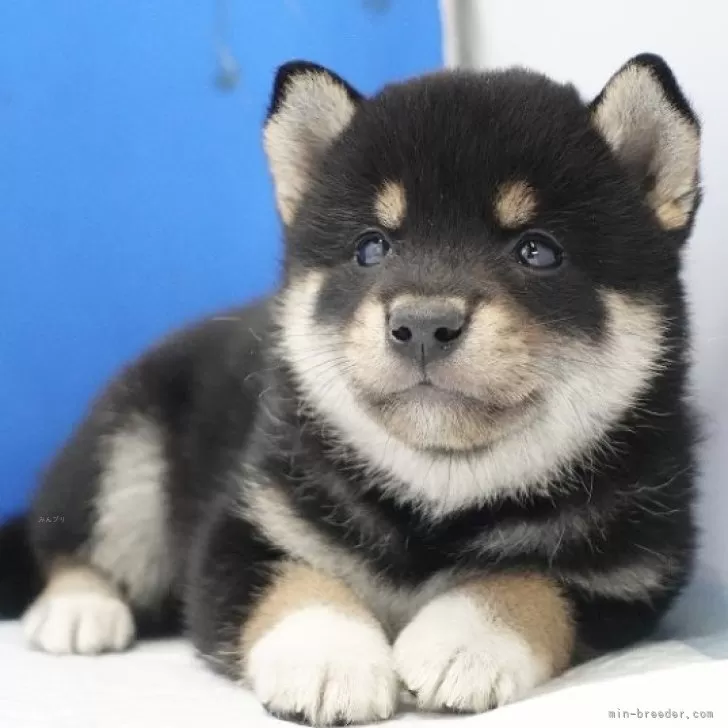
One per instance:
(161,684)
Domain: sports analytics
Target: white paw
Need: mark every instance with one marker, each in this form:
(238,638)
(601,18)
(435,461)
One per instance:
(83,622)
(324,667)
(455,655)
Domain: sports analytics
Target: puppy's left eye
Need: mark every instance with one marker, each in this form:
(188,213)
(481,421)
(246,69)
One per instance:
(538,250)
(371,249)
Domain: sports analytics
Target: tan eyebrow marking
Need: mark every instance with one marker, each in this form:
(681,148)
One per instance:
(515,204)
(390,205)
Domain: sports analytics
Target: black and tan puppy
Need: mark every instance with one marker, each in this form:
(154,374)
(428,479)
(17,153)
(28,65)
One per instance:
(452,453)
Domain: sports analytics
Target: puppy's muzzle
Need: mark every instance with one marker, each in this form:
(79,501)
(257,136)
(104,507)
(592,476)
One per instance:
(426,330)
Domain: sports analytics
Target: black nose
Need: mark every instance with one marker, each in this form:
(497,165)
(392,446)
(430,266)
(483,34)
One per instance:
(426,331)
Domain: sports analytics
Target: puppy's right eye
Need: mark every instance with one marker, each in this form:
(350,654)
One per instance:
(539,251)
(371,249)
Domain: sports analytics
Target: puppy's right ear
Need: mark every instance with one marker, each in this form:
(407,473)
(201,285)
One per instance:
(310,107)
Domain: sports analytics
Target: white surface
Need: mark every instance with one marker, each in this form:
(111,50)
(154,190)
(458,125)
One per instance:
(585,43)
(161,684)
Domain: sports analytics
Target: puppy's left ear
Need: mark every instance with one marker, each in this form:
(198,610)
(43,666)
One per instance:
(310,107)
(651,128)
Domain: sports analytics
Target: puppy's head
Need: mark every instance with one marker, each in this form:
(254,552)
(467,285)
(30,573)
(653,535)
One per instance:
(472,257)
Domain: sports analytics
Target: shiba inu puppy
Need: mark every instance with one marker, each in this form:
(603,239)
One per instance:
(451,454)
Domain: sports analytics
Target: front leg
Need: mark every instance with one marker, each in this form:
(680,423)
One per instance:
(313,652)
(486,643)
(301,640)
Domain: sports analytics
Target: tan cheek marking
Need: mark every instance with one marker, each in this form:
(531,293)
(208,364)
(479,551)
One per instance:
(533,606)
(391,205)
(366,349)
(365,333)
(294,587)
(515,205)
(497,352)
(495,329)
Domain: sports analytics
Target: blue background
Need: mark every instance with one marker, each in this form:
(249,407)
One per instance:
(133,191)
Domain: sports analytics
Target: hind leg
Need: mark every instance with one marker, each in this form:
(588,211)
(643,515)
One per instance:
(99,529)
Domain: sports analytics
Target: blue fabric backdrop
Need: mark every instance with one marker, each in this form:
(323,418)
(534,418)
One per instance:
(133,190)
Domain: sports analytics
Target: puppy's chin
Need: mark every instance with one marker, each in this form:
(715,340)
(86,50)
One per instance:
(427,417)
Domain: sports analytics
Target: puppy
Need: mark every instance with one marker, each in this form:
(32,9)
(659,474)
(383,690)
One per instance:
(452,453)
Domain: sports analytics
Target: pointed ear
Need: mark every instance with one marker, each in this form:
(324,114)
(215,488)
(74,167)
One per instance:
(652,130)
(310,106)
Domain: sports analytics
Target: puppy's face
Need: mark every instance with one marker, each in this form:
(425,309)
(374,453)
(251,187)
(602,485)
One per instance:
(470,255)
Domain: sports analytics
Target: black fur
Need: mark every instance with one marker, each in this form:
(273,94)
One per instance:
(20,575)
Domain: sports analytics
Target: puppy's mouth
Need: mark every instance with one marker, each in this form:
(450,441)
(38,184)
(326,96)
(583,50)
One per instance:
(427,393)
(439,411)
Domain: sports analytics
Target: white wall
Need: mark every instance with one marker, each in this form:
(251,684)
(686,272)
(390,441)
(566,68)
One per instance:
(584,42)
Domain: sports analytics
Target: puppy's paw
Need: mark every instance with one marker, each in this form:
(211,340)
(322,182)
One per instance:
(79,613)
(85,624)
(323,667)
(458,655)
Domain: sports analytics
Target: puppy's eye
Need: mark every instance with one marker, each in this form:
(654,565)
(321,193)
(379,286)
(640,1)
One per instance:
(538,250)
(371,248)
